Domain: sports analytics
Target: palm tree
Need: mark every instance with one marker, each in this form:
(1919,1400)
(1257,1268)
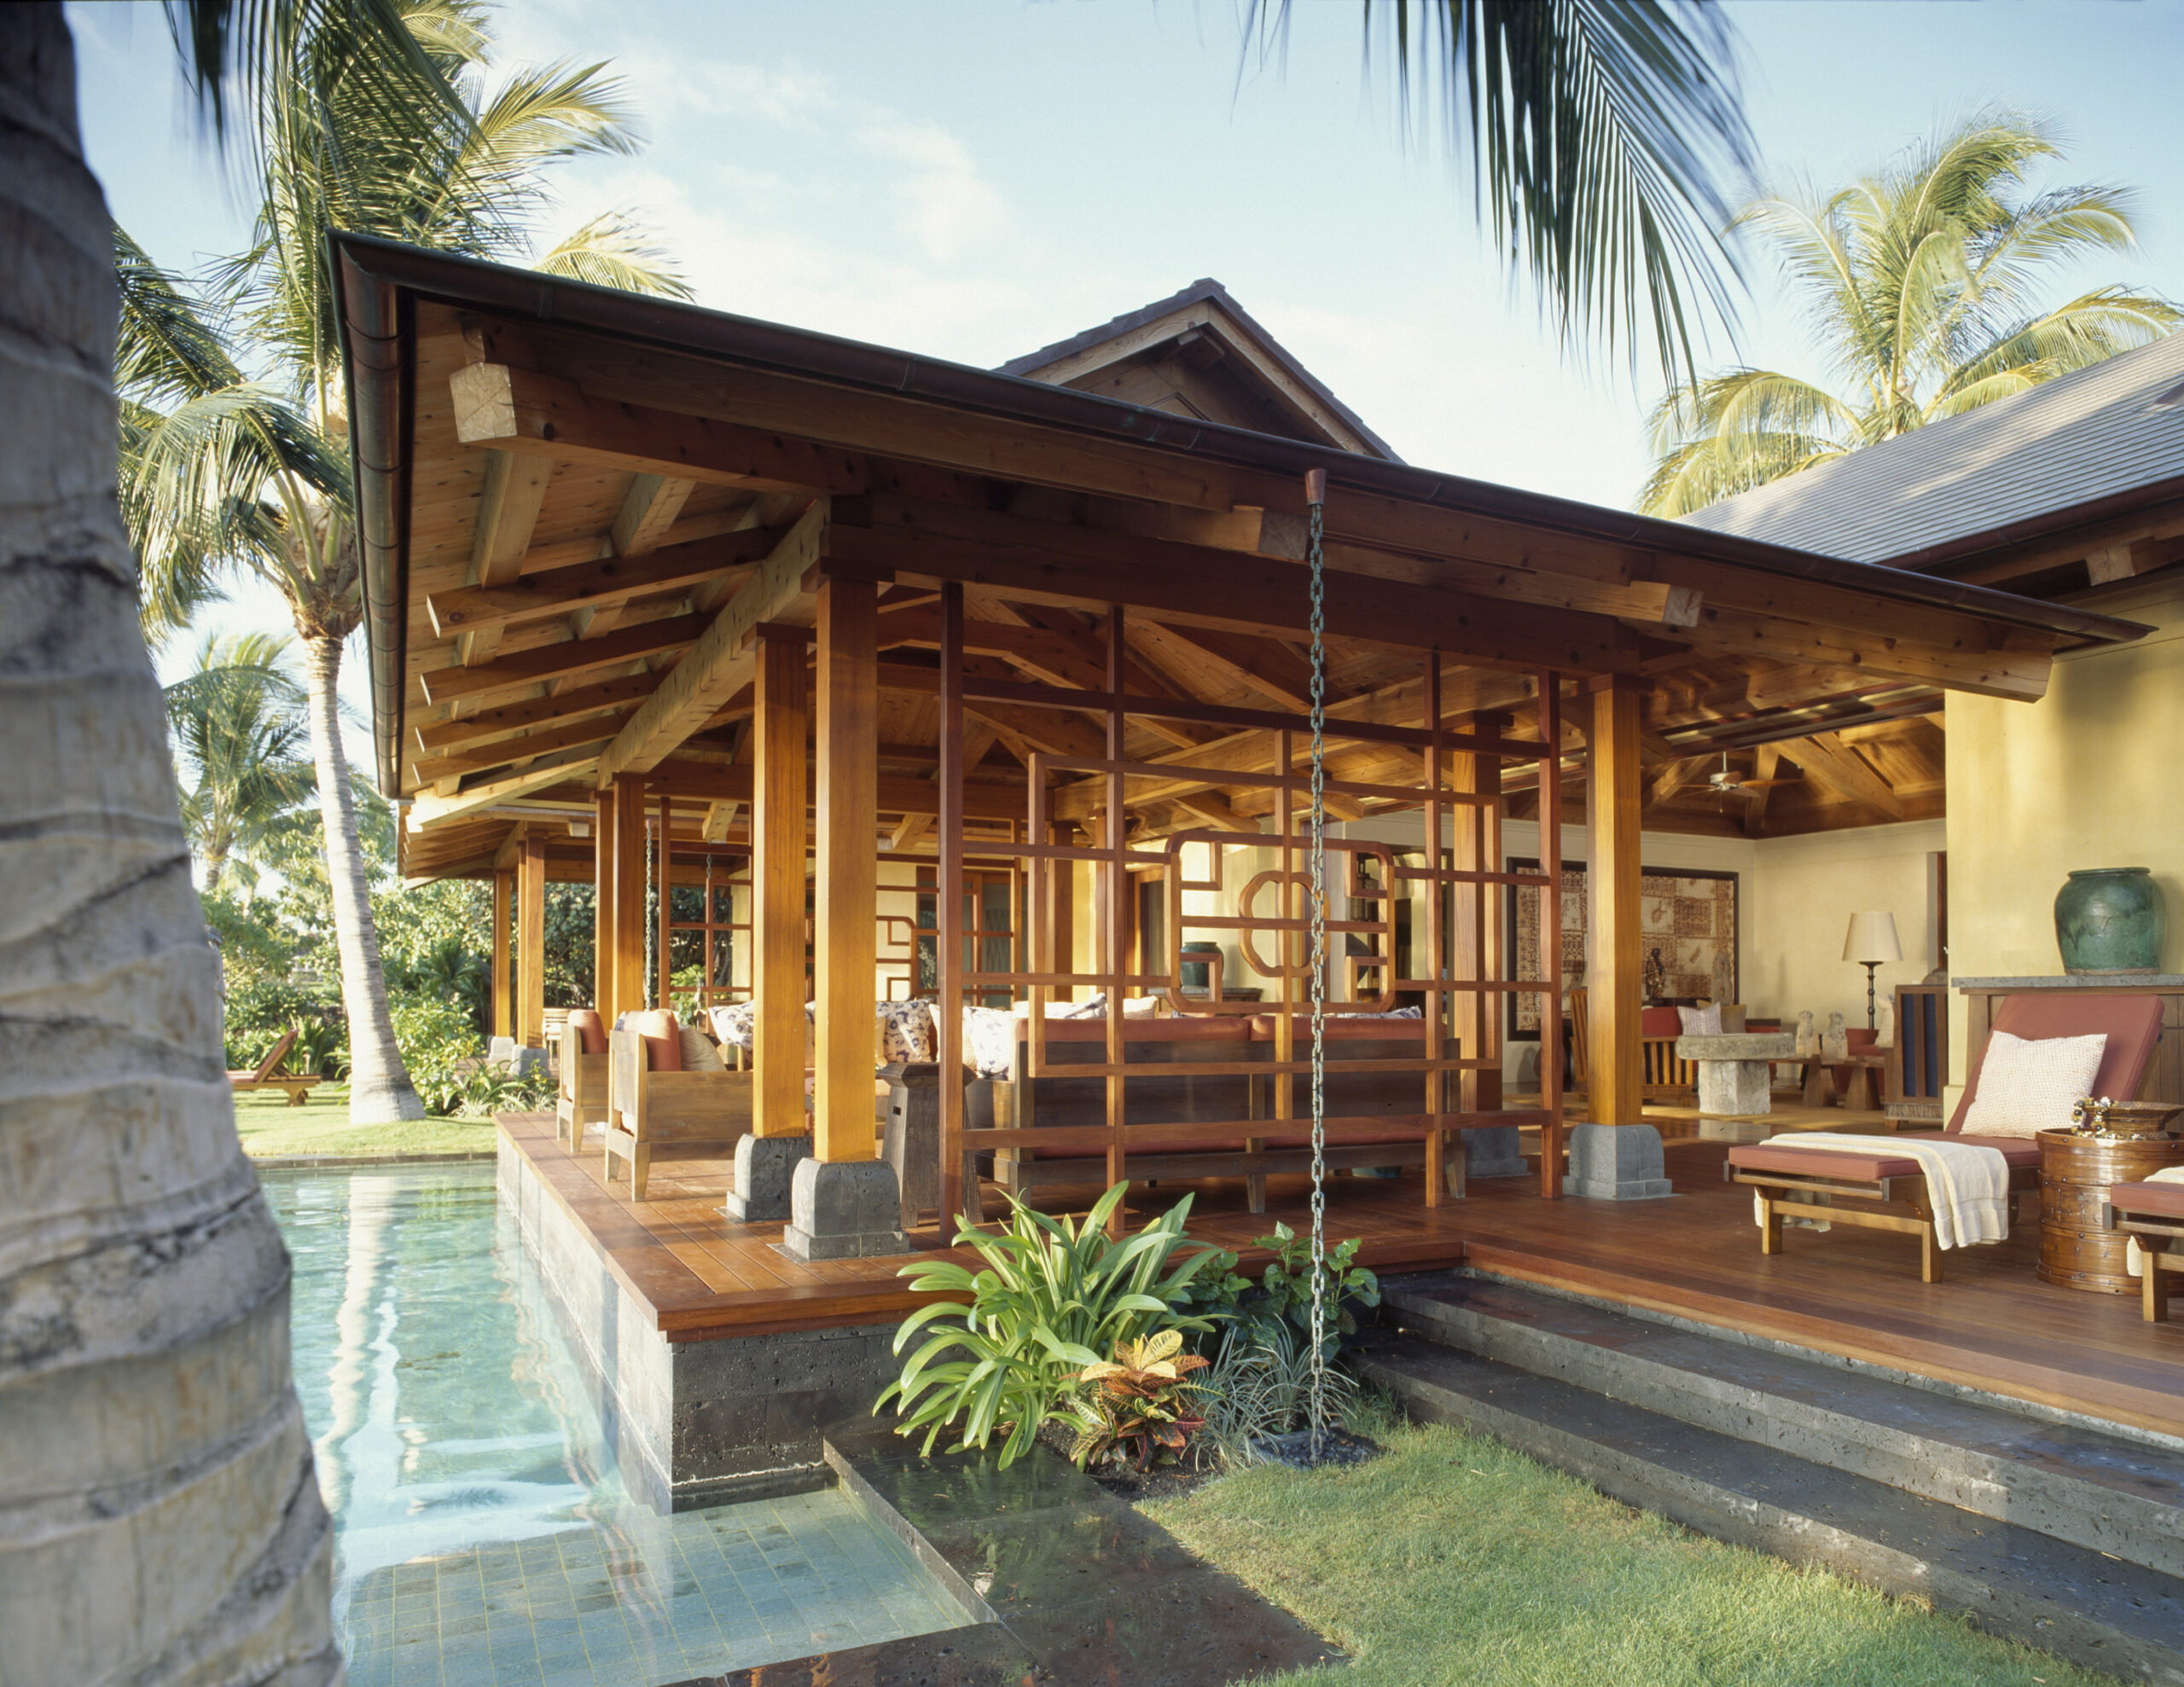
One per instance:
(237,722)
(1598,133)
(224,473)
(1922,285)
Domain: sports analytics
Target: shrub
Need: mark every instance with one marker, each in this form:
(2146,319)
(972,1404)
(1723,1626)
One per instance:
(1262,1388)
(439,1047)
(1288,1288)
(1052,1298)
(1137,1403)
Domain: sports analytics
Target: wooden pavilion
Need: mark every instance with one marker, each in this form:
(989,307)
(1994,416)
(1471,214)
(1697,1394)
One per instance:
(820,617)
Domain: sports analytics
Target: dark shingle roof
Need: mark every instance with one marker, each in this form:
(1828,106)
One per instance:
(2113,429)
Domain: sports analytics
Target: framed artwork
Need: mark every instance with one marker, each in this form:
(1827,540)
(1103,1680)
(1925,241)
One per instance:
(1687,936)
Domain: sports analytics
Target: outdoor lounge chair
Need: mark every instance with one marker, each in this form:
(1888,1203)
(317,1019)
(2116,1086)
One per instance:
(2153,1215)
(269,1076)
(582,1100)
(653,1101)
(1777,1170)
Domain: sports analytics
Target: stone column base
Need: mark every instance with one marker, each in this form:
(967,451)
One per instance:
(1735,1089)
(1491,1151)
(844,1209)
(764,1168)
(1616,1162)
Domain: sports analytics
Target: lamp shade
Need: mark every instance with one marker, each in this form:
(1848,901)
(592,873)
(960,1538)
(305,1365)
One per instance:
(1872,936)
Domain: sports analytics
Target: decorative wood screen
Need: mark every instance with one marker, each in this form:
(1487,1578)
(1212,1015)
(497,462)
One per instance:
(1270,925)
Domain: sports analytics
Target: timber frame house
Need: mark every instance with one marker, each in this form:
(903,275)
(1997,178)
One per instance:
(624,557)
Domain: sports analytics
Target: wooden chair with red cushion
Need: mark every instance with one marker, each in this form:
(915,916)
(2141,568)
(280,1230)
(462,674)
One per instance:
(1894,1183)
(652,1101)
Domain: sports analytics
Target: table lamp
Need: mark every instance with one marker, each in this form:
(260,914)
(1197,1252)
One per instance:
(1870,941)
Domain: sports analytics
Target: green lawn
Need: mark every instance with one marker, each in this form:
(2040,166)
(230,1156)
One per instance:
(1454,1559)
(271,1129)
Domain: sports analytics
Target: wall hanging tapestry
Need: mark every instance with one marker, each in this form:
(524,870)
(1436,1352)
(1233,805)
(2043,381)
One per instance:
(1687,936)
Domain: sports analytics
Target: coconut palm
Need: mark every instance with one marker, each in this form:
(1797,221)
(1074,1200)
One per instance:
(1922,282)
(241,747)
(1598,134)
(223,472)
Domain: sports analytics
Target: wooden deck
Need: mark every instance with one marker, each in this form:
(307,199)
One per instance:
(1992,1325)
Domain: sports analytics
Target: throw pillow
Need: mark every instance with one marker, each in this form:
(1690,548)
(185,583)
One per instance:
(1144,1007)
(699,1054)
(590,1030)
(663,1040)
(733,1023)
(2028,1085)
(1700,1021)
(988,1041)
(905,1032)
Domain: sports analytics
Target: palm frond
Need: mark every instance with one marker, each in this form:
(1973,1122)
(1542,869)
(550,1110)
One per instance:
(612,251)
(166,350)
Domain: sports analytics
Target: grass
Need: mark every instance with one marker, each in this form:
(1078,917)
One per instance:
(1454,1559)
(271,1129)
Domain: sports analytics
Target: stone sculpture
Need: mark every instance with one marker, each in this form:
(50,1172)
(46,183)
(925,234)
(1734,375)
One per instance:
(1835,1041)
(1808,1038)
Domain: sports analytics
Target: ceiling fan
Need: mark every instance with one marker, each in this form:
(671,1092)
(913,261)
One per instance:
(1726,781)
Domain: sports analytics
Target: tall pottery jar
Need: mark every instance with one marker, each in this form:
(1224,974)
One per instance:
(2110,919)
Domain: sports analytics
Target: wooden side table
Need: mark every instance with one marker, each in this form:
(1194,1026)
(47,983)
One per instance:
(2078,1248)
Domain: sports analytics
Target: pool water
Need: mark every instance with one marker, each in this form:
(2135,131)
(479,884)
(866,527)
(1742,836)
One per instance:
(482,1533)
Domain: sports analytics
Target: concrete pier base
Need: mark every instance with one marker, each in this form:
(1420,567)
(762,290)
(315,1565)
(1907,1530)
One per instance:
(1616,1162)
(765,1166)
(844,1209)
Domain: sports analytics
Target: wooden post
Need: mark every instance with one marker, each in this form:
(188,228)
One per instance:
(530,942)
(503,979)
(1437,968)
(602,903)
(1475,933)
(626,924)
(959,1184)
(1615,976)
(1550,932)
(845,939)
(782,712)
(1114,932)
(664,913)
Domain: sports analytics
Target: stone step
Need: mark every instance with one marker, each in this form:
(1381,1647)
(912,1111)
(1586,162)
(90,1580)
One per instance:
(2009,1579)
(2110,1493)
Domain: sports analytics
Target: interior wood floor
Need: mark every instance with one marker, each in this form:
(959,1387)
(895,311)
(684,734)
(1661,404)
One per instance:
(1991,1324)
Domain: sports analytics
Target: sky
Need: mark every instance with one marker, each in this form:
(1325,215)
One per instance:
(972,179)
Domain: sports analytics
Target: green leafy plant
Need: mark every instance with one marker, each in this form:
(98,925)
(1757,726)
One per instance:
(1211,1299)
(440,1047)
(1052,1298)
(322,1047)
(1289,1286)
(1137,1403)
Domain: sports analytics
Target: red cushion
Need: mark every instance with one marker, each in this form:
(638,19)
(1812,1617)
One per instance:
(662,1035)
(2159,1200)
(1344,1028)
(2132,1022)
(1793,1160)
(1209,1028)
(590,1030)
(1659,1022)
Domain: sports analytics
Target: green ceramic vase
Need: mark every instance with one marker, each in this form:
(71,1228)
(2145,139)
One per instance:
(2110,919)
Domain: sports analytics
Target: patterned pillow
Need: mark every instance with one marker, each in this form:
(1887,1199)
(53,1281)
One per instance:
(904,1032)
(988,1041)
(2031,1084)
(1701,1021)
(699,1054)
(734,1024)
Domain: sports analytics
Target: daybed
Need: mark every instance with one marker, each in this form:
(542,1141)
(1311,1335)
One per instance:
(1786,1176)
(264,1077)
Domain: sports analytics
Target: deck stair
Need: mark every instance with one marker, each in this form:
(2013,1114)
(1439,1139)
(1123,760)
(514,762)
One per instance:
(2058,1535)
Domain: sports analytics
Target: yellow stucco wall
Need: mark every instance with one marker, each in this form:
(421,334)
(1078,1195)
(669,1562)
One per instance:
(2091,775)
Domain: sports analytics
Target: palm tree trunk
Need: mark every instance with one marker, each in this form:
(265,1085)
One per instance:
(159,1519)
(380,1090)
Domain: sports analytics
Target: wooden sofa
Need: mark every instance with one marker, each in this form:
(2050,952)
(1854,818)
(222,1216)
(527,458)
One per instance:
(1355,1100)
(268,1074)
(652,1102)
(581,1101)
(1888,1192)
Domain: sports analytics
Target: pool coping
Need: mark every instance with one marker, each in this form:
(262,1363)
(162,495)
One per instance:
(334,1163)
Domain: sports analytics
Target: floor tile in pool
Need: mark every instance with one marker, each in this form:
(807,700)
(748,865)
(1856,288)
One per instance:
(483,1535)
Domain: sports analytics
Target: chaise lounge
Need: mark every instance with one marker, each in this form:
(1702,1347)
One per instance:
(268,1074)
(1780,1171)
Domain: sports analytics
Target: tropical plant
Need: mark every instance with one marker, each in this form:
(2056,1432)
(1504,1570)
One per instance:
(1599,133)
(1053,1298)
(1922,285)
(123,1296)
(1287,1288)
(234,444)
(1260,1388)
(238,723)
(1139,1404)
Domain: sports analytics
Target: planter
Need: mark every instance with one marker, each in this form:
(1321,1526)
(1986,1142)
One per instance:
(2110,920)
(1197,974)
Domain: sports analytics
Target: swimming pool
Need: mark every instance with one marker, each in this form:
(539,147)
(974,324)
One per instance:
(482,1534)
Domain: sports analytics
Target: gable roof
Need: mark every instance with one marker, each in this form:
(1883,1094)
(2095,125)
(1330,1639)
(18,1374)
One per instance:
(1307,409)
(2073,449)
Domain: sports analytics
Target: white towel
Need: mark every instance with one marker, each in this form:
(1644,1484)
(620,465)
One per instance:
(1969,1182)
(2135,1255)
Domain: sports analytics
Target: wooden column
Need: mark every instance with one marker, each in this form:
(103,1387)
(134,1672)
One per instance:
(845,937)
(626,920)
(1614,982)
(958,1183)
(602,903)
(1475,928)
(530,942)
(503,979)
(1552,1134)
(780,722)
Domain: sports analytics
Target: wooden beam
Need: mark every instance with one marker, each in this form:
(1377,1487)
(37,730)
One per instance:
(506,719)
(648,510)
(594,729)
(721,662)
(508,512)
(1767,761)
(719,817)
(1267,667)
(504,979)
(1827,759)
(609,580)
(431,809)
(1615,977)
(897,794)
(562,659)
(2108,564)
(781,723)
(844,940)
(603,985)
(626,926)
(530,942)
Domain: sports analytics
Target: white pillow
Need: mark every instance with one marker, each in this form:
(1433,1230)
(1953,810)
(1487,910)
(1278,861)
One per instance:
(699,1054)
(1701,1021)
(2031,1085)
(1144,1007)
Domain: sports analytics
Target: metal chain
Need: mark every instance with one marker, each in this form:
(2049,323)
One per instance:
(1319,980)
(652,923)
